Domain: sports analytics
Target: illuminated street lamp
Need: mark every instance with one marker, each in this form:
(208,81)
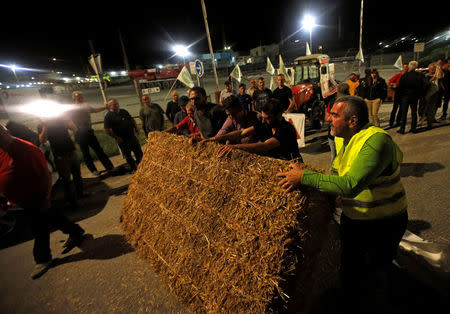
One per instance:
(308,23)
(181,51)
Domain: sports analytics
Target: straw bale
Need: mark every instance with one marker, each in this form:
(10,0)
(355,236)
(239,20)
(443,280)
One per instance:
(220,232)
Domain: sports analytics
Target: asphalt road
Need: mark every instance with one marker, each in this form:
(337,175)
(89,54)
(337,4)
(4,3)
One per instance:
(105,275)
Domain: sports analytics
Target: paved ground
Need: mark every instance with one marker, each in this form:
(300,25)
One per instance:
(105,275)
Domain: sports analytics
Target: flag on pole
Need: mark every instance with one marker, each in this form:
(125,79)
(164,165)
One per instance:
(282,70)
(236,73)
(273,83)
(399,63)
(185,77)
(360,55)
(308,51)
(96,63)
(270,67)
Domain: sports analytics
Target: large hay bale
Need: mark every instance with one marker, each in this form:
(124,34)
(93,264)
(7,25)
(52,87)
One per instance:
(221,233)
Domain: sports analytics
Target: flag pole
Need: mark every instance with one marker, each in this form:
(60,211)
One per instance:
(94,65)
(165,98)
(210,45)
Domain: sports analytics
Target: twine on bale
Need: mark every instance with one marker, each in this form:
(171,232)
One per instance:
(220,232)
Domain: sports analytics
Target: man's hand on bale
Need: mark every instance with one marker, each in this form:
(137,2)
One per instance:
(195,138)
(225,151)
(291,179)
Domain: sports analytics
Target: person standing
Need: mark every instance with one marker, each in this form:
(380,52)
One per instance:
(26,181)
(172,107)
(261,95)
(252,88)
(353,84)
(227,92)
(56,131)
(182,114)
(444,84)
(208,117)
(376,93)
(393,83)
(121,126)
(366,175)
(187,126)
(244,98)
(411,87)
(363,88)
(85,136)
(151,115)
(284,94)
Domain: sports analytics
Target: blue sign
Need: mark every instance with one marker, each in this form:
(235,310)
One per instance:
(199,69)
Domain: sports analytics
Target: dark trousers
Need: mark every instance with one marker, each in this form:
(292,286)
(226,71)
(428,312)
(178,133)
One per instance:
(129,145)
(67,165)
(88,139)
(395,112)
(406,103)
(41,224)
(445,105)
(368,248)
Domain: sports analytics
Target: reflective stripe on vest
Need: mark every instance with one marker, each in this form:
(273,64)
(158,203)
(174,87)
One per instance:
(383,197)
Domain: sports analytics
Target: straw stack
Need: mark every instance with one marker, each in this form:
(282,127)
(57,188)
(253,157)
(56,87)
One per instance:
(220,232)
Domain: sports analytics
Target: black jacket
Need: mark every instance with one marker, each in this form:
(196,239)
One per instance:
(412,85)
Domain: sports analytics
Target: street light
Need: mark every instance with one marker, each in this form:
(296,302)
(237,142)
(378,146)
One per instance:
(308,23)
(181,51)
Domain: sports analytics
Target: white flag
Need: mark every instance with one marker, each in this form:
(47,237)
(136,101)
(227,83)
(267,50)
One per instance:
(236,73)
(273,83)
(270,67)
(96,63)
(360,56)
(308,51)
(185,77)
(282,70)
(399,63)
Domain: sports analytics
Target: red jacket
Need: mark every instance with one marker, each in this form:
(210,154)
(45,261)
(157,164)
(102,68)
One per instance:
(24,174)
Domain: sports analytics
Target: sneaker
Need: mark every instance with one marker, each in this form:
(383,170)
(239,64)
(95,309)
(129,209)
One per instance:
(40,269)
(443,118)
(72,241)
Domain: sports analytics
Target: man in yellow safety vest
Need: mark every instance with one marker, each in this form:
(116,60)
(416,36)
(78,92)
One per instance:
(366,175)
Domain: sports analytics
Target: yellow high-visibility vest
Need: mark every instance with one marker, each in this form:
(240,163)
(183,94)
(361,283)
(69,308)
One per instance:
(385,196)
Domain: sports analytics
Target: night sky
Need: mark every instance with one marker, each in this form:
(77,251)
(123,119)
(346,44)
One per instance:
(62,29)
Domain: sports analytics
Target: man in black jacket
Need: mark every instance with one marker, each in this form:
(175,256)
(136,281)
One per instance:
(411,87)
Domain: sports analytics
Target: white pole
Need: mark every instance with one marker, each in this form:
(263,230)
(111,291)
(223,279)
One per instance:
(209,43)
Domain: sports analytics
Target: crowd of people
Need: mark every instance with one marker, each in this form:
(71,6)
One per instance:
(420,91)
(365,159)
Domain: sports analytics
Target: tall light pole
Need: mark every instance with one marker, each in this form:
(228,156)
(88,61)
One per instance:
(308,23)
